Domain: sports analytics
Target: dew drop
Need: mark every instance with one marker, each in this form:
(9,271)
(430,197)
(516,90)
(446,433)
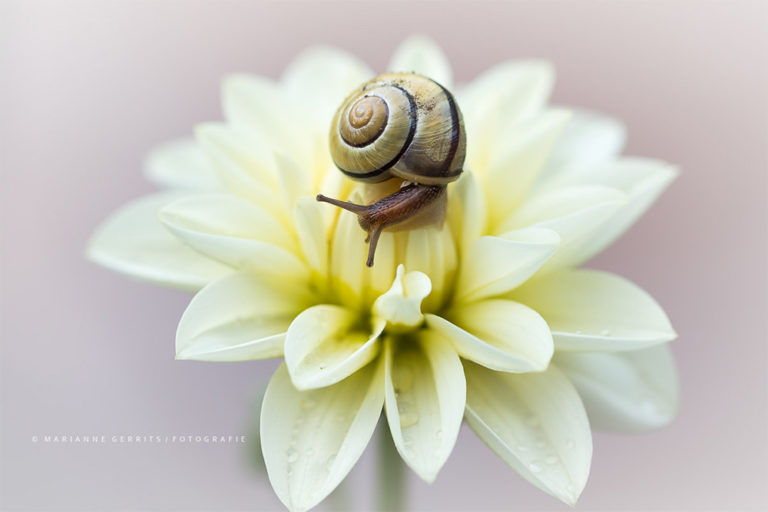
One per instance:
(329,462)
(605,332)
(310,452)
(552,459)
(569,444)
(308,403)
(534,467)
(522,448)
(289,470)
(532,421)
(340,418)
(439,435)
(540,443)
(408,419)
(579,332)
(293,456)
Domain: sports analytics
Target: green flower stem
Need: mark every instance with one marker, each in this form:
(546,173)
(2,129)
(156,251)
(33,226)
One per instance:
(392,476)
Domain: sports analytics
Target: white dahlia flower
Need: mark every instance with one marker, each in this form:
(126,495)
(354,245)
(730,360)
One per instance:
(487,319)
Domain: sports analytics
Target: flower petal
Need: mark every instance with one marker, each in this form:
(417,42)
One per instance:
(500,334)
(260,105)
(326,344)
(575,213)
(245,171)
(238,318)
(425,398)
(133,241)
(514,165)
(235,232)
(589,139)
(419,54)
(354,283)
(536,423)
(181,164)
(311,439)
(311,231)
(320,78)
(467,215)
(431,251)
(502,96)
(642,180)
(624,391)
(591,310)
(401,304)
(496,265)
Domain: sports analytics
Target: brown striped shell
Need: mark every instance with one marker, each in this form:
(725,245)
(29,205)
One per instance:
(399,125)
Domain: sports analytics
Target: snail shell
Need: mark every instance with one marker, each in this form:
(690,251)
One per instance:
(399,125)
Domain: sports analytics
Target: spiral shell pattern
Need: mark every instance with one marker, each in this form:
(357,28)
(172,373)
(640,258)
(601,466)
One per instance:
(399,124)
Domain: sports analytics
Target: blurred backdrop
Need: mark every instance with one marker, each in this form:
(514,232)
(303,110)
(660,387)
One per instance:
(88,87)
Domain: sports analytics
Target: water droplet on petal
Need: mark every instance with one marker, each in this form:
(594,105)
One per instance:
(605,332)
(540,443)
(330,461)
(310,452)
(532,421)
(408,419)
(552,459)
(308,403)
(522,448)
(293,456)
(439,435)
(569,443)
(534,467)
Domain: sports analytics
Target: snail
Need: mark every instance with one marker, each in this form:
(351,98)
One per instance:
(399,125)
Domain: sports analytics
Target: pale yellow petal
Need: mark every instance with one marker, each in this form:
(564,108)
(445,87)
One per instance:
(575,213)
(499,334)
(425,398)
(311,439)
(238,318)
(632,391)
(420,54)
(592,310)
(536,423)
(181,164)
(496,265)
(133,241)
(327,343)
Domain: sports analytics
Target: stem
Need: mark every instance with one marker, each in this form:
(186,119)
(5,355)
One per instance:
(392,477)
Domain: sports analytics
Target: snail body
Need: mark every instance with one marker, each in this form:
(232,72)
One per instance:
(399,125)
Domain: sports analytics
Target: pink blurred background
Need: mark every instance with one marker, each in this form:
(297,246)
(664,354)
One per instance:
(88,87)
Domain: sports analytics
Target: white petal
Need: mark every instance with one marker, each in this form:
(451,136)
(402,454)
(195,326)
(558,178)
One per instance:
(401,304)
(181,164)
(425,398)
(258,104)
(589,139)
(238,318)
(624,391)
(244,165)
(575,213)
(419,54)
(495,265)
(502,96)
(311,439)
(536,423)
(311,233)
(516,163)
(500,334)
(235,232)
(326,344)
(354,283)
(591,310)
(642,180)
(320,78)
(133,241)
(431,251)
(467,212)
